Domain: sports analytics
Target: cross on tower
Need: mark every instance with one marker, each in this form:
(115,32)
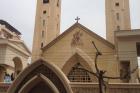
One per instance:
(77,19)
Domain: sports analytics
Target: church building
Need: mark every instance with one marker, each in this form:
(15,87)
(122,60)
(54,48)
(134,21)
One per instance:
(55,56)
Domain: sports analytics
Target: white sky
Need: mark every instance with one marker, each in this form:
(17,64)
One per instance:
(21,15)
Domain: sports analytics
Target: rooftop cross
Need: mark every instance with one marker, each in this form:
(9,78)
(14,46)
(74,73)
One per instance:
(77,19)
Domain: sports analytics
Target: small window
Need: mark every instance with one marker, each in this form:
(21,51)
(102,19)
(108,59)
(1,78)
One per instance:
(44,12)
(117,4)
(45,1)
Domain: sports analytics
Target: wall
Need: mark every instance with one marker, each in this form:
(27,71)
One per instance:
(126,47)
(93,88)
(111,88)
(2,53)
(12,53)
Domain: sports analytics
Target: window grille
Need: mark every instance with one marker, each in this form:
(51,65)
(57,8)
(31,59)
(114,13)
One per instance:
(78,75)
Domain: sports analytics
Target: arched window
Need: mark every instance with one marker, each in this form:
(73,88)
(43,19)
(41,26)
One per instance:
(18,65)
(78,75)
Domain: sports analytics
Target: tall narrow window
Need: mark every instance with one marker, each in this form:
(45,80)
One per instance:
(43,34)
(42,45)
(118,16)
(44,22)
(125,71)
(58,3)
(138,49)
(78,75)
(45,1)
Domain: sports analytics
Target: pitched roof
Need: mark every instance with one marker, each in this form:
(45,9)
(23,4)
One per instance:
(8,26)
(85,29)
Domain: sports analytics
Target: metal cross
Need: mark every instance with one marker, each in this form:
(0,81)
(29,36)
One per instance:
(77,19)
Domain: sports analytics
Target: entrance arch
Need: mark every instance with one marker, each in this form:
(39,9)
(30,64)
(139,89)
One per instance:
(17,65)
(39,84)
(41,73)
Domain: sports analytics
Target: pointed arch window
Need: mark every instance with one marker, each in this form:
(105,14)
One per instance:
(78,75)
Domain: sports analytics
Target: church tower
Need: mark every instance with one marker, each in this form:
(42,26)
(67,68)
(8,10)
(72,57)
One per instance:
(47,24)
(117,17)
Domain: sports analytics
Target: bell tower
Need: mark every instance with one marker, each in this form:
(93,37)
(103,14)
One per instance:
(117,17)
(47,25)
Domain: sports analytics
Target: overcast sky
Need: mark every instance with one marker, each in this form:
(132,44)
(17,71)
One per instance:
(21,15)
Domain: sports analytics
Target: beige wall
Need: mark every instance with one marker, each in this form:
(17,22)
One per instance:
(62,51)
(126,47)
(111,88)
(11,53)
(2,53)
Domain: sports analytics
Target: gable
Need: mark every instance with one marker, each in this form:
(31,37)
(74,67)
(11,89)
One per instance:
(81,28)
(77,36)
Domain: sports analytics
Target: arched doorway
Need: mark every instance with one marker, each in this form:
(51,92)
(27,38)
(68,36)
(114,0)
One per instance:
(41,77)
(17,65)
